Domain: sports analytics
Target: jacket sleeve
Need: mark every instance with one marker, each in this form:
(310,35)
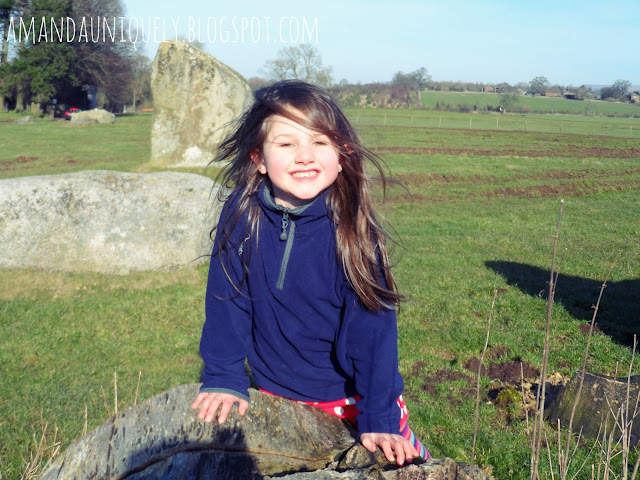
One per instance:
(226,335)
(372,349)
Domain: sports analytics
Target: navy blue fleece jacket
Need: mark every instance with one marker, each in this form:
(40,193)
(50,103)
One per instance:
(297,319)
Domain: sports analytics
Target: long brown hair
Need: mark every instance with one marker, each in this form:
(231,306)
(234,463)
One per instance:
(361,241)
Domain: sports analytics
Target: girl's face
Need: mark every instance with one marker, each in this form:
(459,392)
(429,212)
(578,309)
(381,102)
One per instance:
(300,163)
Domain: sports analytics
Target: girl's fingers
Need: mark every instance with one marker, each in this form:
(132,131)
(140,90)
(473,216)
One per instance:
(224,411)
(369,444)
(210,410)
(385,445)
(198,400)
(243,405)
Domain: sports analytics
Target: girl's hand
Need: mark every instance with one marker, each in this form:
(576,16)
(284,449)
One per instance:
(390,444)
(209,402)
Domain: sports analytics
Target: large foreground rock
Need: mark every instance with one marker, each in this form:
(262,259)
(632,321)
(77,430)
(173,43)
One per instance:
(194,95)
(109,222)
(599,404)
(163,439)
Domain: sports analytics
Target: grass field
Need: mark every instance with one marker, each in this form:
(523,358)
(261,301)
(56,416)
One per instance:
(478,213)
(574,124)
(529,104)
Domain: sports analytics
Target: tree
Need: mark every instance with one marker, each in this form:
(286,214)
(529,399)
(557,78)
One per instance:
(105,64)
(417,80)
(141,82)
(43,68)
(617,91)
(539,85)
(509,100)
(302,62)
(47,69)
(584,93)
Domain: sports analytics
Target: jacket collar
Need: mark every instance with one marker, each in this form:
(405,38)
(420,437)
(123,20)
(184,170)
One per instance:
(314,208)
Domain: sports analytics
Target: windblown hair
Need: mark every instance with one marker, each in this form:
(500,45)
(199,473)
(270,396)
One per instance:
(360,239)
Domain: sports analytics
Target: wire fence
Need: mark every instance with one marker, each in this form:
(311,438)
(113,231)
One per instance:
(627,128)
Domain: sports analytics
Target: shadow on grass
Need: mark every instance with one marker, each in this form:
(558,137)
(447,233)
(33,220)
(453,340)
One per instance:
(619,311)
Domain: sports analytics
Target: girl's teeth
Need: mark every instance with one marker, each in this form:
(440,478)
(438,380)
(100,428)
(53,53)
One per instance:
(304,174)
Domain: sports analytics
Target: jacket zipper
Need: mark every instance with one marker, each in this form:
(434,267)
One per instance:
(286,221)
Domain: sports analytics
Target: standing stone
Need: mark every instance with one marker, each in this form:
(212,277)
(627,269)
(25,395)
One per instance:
(108,222)
(194,95)
(601,400)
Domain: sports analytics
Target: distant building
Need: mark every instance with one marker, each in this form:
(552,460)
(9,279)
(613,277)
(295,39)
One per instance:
(634,97)
(552,94)
(488,89)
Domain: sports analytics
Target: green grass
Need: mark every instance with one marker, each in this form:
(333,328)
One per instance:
(478,199)
(530,104)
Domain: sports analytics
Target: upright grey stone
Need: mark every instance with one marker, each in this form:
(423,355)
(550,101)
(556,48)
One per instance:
(599,404)
(194,95)
(108,222)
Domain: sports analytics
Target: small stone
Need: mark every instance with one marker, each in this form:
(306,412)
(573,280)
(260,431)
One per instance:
(23,120)
(94,116)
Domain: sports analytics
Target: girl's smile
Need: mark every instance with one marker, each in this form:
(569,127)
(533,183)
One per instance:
(300,162)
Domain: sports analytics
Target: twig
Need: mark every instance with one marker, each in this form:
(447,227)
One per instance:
(86,421)
(484,350)
(546,441)
(628,425)
(44,452)
(115,391)
(560,455)
(588,456)
(104,399)
(524,404)
(135,399)
(535,454)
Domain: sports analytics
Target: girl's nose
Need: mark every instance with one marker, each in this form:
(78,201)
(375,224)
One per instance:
(304,154)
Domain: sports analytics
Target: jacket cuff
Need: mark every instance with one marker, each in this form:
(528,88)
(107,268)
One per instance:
(225,390)
(378,424)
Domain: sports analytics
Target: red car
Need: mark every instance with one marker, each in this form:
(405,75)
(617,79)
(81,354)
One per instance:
(69,112)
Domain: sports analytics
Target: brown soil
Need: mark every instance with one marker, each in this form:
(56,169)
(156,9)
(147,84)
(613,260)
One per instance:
(18,162)
(567,189)
(584,328)
(568,151)
(420,179)
(507,372)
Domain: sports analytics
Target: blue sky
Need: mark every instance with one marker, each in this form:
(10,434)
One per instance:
(570,42)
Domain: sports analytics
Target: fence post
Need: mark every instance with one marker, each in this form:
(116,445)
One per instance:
(412,120)
(440,124)
(470,120)
(385,120)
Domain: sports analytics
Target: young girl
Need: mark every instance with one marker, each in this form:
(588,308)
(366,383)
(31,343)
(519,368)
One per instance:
(300,282)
